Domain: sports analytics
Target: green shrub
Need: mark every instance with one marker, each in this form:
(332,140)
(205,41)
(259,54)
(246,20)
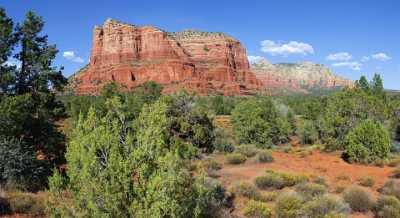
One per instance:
(257,209)
(321,206)
(235,158)
(387,207)
(366,181)
(224,147)
(310,190)
(19,165)
(265,157)
(340,189)
(223,141)
(307,132)
(391,187)
(258,121)
(212,173)
(244,189)
(291,179)
(278,180)
(269,181)
(247,150)
(211,164)
(287,148)
(288,206)
(270,196)
(366,143)
(380,162)
(358,199)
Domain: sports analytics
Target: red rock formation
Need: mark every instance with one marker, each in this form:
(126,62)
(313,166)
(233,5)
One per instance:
(196,61)
(297,77)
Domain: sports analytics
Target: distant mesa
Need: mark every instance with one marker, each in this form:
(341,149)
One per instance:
(203,62)
(297,77)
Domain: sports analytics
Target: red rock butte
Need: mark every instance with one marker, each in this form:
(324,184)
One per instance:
(130,55)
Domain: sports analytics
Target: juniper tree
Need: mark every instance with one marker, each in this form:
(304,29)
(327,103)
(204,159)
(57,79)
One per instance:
(114,171)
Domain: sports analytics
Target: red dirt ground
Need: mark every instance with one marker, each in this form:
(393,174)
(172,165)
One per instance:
(328,165)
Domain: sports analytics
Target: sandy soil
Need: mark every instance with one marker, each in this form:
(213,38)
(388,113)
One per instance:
(336,172)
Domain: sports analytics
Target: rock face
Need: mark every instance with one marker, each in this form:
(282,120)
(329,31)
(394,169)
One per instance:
(297,76)
(197,61)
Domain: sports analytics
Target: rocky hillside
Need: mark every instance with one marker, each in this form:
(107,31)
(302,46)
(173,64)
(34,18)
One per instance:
(198,61)
(297,76)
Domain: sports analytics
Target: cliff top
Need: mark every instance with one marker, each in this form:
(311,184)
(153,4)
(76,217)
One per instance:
(180,35)
(196,34)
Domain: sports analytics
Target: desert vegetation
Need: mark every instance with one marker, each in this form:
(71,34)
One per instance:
(144,154)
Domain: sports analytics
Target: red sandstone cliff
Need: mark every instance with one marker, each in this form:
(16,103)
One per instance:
(197,61)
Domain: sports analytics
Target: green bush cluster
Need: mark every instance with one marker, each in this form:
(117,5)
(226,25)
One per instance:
(224,147)
(367,142)
(307,132)
(391,187)
(245,189)
(247,150)
(289,205)
(278,180)
(326,206)
(235,158)
(19,165)
(387,207)
(366,181)
(310,191)
(258,121)
(256,209)
(358,198)
(265,157)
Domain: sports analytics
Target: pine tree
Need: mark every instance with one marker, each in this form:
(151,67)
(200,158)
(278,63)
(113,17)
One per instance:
(363,84)
(28,104)
(38,77)
(377,84)
(36,57)
(7,43)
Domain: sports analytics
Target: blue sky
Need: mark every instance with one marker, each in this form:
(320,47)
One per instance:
(352,37)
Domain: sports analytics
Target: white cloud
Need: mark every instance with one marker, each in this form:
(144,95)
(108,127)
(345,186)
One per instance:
(340,56)
(70,55)
(285,49)
(378,56)
(381,57)
(254,59)
(352,65)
